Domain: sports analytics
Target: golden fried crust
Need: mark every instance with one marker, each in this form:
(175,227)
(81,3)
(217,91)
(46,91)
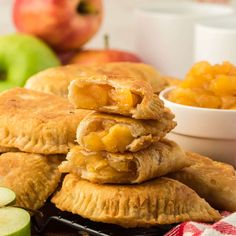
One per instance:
(56,80)
(140,71)
(171,81)
(150,106)
(37,122)
(215,181)
(161,201)
(32,177)
(157,160)
(145,132)
(7,149)
(197,159)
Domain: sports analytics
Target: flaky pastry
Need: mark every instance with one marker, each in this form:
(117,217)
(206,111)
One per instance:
(112,93)
(112,133)
(32,177)
(160,201)
(104,167)
(212,180)
(37,122)
(56,80)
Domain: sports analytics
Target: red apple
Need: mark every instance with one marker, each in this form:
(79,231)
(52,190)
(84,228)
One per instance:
(63,24)
(65,56)
(97,56)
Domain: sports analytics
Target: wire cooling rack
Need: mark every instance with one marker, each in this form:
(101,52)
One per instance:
(49,215)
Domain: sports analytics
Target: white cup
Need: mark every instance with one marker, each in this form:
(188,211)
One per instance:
(164,33)
(215,41)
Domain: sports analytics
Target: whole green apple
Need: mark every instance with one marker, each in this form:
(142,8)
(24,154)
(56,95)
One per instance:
(22,56)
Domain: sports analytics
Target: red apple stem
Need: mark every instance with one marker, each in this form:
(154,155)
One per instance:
(106,42)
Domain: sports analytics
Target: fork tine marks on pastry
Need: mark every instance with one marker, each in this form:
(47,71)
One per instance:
(116,161)
(212,180)
(33,177)
(37,122)
(160,201)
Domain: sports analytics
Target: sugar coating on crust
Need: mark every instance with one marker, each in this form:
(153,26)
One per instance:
(36,122)
(161,201)
(32,177)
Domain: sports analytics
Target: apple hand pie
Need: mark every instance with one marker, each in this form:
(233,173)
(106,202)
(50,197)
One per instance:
(56,80)
(160,201)
(101,132)
(214,181)
(32,177)
(38,123)
(112,93)
(104,167)
(140,71)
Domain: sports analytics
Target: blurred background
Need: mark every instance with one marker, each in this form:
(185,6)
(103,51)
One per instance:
(118,21)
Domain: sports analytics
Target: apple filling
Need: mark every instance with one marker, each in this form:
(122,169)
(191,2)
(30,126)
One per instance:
(124,98)
(92,96)
(112,139)
(97,164)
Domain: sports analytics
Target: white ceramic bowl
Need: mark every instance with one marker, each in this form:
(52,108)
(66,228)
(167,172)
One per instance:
(164,33)
(215,40)
(211,132)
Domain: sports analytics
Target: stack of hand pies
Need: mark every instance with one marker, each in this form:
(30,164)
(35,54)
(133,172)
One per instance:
(112,130)
(36,132)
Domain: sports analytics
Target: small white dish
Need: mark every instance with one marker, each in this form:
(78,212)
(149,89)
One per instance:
(215,40)
(164,33)
(211,132)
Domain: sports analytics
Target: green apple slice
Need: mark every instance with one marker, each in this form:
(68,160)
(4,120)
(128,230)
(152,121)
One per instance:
(14,221)
(7,196)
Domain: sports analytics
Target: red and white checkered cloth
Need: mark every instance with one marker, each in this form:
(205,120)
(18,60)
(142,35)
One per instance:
(226,226)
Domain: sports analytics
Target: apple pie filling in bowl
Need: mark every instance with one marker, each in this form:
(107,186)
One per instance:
(93,96)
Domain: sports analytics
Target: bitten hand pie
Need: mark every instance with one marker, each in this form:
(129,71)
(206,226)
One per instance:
(104,167)
(113,93)
(56,80)
(111,133)
(160,201)
(32,177)
(215,181)
(37,122)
